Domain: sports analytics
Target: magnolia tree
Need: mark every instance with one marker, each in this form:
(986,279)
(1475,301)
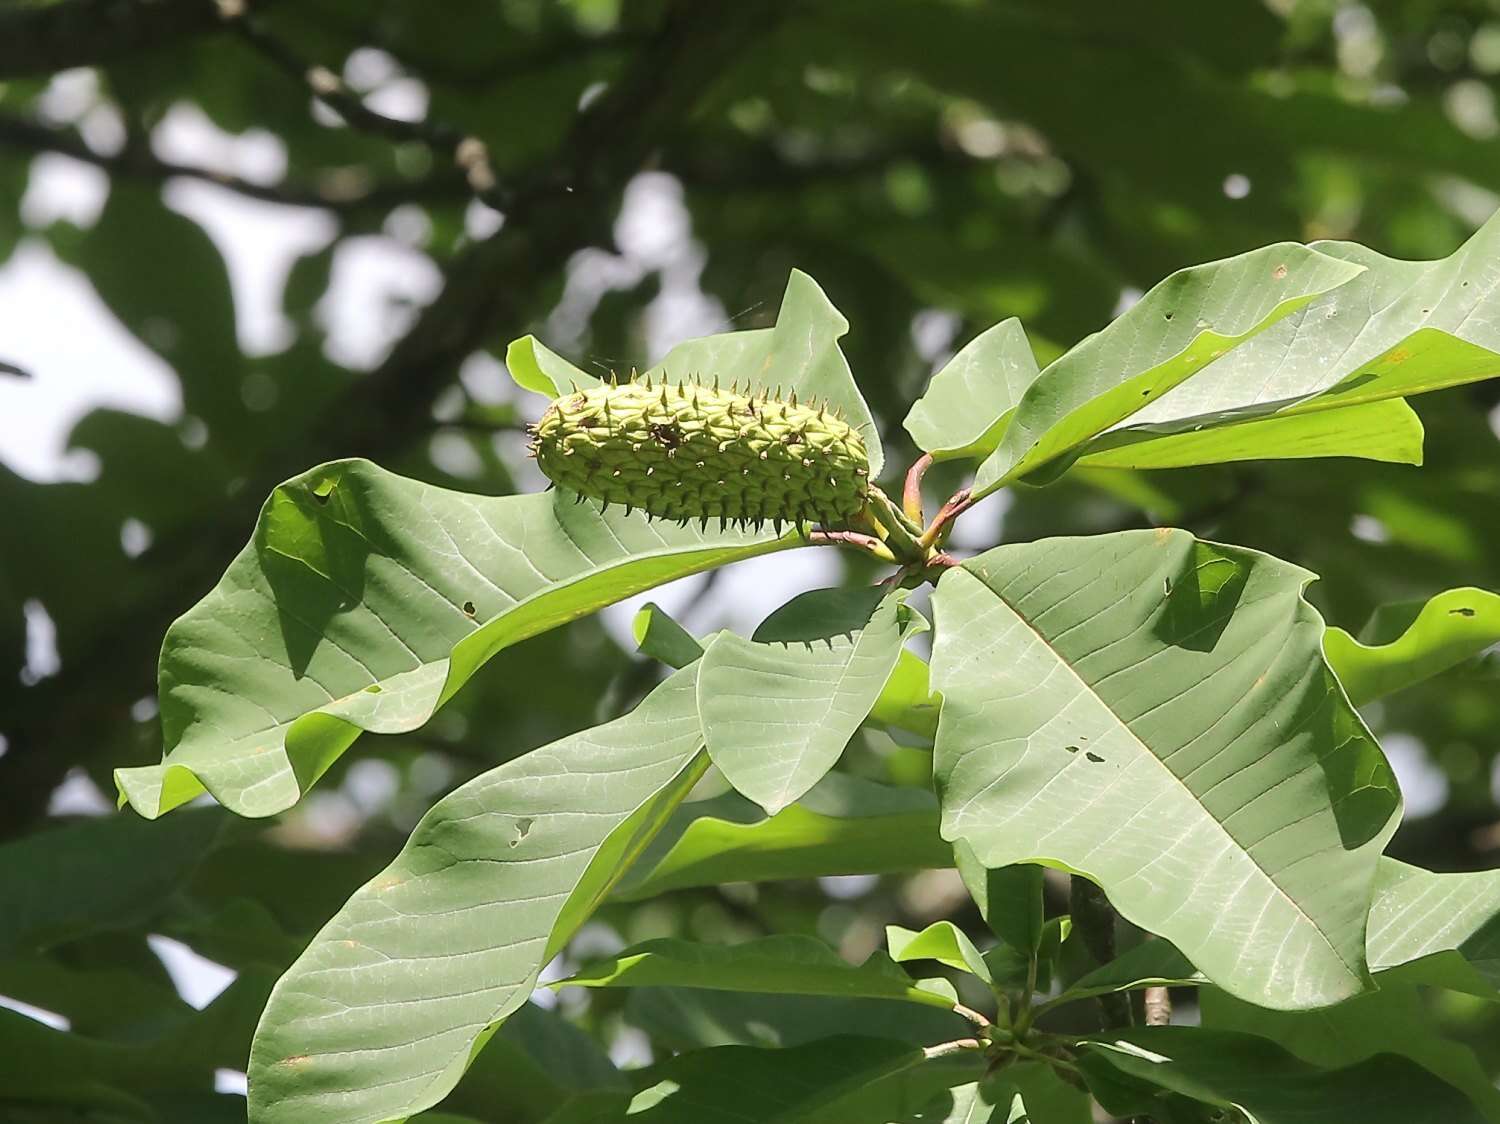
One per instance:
(1164,721)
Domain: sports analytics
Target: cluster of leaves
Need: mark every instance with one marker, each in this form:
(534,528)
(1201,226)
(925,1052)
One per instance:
(909,170)
(1143,709)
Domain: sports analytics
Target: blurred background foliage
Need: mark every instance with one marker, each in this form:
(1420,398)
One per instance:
(420,183)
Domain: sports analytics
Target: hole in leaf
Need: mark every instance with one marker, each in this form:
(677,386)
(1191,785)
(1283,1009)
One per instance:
(373,689)
(523,829)
(1094,757)
(1462,611)
(469,608)
(1071,748)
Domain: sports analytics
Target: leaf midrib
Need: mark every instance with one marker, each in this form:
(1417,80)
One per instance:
(1296,906)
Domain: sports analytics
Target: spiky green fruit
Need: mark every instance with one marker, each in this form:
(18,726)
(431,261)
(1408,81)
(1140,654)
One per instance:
(691,451)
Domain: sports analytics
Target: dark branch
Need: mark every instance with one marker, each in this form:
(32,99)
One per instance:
(38,39)
(450,145)
(493,283)
(137,161)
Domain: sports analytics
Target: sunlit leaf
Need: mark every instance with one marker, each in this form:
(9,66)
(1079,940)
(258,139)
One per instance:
(1377,431)
(1411,641)
(1155,713)
(1174,331)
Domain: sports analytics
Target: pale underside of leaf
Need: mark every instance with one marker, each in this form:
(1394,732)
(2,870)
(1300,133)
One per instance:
(777,713)
(364,601)
(967,405)
(1181,326)
(379,1017)
(1399,328)
(1155,713)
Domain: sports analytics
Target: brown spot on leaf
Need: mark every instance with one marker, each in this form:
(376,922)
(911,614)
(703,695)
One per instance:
(1279,272)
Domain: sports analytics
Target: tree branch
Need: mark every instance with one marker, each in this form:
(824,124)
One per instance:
(38,39)
(58,723)
(137,161)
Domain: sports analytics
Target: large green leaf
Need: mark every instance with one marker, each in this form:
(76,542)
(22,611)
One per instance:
(1152,963)
(538,1068)
(1154,712)
(942,941)
(379,1017)
(968,404)
(779,709)
(827,1080)
(1399,328)
(364,602)
(1393,1020)
(844,825)
(98,874)
(1229,1070)
(1449,922)
(1174,331)
(1021,1093)
(59,1068)
(800,353)
(1009,898)
(785,964)
(688,1018)
(1388,431)
(1408,642)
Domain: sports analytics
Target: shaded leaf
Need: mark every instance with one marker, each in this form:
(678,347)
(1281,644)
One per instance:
(363,603)
(1009,898)
(1408,642)
(906,701)
(843,825)
(1021,1093)
(537,1068)
(784,965)
(382,1013)
(1154,712)
(739,1083)
(1393,1021)
(1239,1070)
(95,875)
(778,710)
(1152,963)
(685,1018)
(657,635)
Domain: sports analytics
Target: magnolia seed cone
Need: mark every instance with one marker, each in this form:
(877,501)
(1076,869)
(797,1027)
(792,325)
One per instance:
(689,451)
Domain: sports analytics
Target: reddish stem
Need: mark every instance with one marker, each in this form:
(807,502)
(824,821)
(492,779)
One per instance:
(911,494)
(960,502)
